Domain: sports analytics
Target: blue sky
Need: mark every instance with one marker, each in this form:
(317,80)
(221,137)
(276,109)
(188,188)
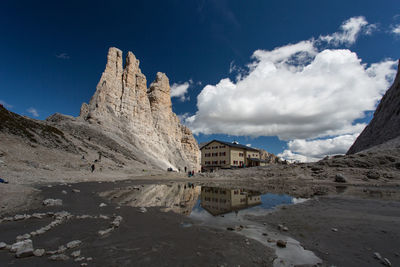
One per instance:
(53,53)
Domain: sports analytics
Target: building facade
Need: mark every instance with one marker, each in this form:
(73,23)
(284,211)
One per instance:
(224,155)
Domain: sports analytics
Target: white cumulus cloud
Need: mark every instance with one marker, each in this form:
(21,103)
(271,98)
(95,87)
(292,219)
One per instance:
(297,91)
(180,90)
(350,29)
(33,112)
(312,150)
(396,29)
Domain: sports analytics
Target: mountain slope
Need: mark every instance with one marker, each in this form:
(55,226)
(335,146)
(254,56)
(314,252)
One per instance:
(385,125)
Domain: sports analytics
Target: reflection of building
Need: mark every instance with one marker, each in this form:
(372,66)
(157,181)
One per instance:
(217,200)
(223,155)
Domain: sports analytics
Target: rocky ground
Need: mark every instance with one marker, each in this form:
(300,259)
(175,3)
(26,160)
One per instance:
(344,231)
(353,213)
(105,234)
(344,225)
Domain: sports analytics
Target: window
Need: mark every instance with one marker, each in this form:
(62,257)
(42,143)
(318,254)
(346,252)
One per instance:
(221,146)
(241,163)
(207,155)
(235,162)
(222,154)
(240,154)
(215,154)
(222,162)
(215,162)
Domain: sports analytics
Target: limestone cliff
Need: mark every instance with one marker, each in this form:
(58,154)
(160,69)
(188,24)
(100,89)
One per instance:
(385,125)
(270,158)
(123,105)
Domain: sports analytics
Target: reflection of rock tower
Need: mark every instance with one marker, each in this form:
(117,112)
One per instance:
(218,200)
(179,198)
(122,104)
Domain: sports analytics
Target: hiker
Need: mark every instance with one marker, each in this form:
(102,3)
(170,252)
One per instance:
(92,167)
(185,168)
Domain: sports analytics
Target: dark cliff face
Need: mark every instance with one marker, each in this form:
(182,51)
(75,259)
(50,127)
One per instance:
(385,125)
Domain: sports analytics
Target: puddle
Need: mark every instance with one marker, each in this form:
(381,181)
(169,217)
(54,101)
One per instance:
(223,208)
(228,209)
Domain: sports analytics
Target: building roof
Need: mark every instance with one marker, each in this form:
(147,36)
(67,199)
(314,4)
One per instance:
(230,144)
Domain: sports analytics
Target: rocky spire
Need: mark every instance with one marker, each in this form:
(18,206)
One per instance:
(159,93)
(144,115)
(385,124)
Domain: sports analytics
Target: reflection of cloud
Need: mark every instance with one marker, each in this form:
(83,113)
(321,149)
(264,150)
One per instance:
(33,112)
(63,56)
(299,200)
(5,104)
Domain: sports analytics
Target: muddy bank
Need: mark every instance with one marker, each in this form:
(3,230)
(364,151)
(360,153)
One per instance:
(150,238)
(14,197)
(343,231)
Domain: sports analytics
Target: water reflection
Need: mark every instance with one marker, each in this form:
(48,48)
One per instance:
(187,198)
(218,200)
(177,197)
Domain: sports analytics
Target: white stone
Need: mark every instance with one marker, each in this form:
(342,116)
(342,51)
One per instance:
(105,232)
(74,244)
(52,202)
(2,245)
(23,248)
(39,252)
(143,210)
(23,237)
(59,257)
(76,253)
(79,259)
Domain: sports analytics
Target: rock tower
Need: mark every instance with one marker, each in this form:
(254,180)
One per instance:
(123,105)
